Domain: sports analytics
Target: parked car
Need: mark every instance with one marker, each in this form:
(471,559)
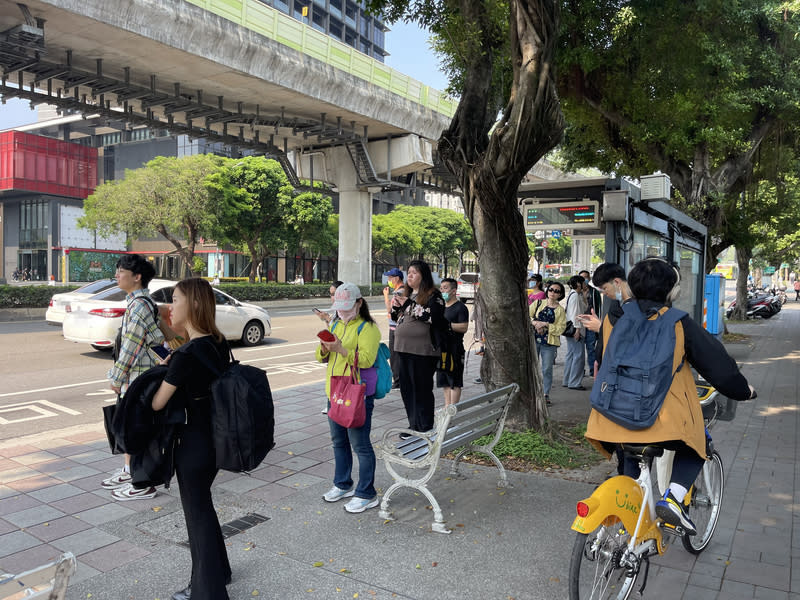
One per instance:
(95,320)
(55,311)
(468,284)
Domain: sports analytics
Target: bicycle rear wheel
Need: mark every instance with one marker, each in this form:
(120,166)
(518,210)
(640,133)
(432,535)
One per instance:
(706,504)
(594,571)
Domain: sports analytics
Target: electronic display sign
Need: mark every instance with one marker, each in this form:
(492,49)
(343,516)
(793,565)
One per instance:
(579,214)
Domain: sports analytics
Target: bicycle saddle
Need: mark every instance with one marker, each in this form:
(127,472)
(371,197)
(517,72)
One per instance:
(647,450)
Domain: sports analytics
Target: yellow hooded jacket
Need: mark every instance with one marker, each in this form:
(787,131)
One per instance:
(367,341)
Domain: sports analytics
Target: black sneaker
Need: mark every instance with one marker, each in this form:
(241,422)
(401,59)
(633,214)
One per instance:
(674,513)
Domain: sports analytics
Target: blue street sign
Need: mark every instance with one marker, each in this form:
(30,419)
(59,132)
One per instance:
(556,233)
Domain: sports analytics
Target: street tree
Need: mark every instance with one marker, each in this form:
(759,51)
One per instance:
(691,89)
(393,236)
(251,197)
(444,234)
(166,197)
(307,215)
(501,56)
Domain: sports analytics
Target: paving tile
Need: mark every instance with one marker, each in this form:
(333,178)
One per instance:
(85,541)
(17,503)
(32,484)
(33,516)
(80,502)
(56,492)
(77,472)
(758,573)
(6,527)
(13,451)
(241,485)
(301,480)
(58,528)
(107,512)
(15,473)
(271,493)
(20,562)
(16,541)
(6,491)
(271,473)
(35,457)
(113,556)
(764,593)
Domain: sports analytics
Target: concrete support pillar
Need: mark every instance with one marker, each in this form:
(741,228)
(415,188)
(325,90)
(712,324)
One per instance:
(355,220)
(581,254)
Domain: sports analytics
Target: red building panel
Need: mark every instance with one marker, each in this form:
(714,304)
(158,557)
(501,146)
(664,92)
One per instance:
(38,164)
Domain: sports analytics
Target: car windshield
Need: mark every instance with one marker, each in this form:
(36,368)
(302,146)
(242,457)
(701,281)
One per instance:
(469,277)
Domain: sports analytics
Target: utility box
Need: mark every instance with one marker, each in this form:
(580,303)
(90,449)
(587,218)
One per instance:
(714,301)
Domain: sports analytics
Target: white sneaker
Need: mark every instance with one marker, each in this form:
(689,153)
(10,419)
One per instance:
(117,480)
(358,505)
(131,493)
(335,493)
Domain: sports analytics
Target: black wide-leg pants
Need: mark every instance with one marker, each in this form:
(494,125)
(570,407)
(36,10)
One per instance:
(416,387)
(196,470)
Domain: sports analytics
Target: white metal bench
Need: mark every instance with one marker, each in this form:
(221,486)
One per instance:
(48,582)
(455,426)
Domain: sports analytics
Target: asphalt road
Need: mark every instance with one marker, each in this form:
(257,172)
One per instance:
(49,383)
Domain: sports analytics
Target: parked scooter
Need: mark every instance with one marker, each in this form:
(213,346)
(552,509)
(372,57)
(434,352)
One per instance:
(759,304)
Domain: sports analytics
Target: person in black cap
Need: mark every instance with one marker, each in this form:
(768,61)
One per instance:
(394,279)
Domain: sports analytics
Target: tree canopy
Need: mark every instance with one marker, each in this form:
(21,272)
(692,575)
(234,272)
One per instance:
(166,197)
(697,90)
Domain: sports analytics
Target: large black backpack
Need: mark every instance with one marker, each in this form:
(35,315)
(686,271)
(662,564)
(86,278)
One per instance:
(242,416)
(636,372)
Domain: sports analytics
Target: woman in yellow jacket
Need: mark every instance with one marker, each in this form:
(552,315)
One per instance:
(549,321)
(354,329)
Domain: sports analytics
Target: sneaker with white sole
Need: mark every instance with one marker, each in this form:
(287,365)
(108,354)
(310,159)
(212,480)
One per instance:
(117,480)
(334,494)
(674,513)
(131,493)
(358,505)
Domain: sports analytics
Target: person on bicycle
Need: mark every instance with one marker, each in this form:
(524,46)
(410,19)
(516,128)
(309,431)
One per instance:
(679,426)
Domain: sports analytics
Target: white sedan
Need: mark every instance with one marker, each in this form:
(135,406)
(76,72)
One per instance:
(58,303)
(96,320)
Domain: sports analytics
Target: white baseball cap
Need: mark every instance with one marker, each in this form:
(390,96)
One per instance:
(346,296)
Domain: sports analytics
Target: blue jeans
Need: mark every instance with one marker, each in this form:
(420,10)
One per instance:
(573,362)
(547,356)
(591,340)
(357,437)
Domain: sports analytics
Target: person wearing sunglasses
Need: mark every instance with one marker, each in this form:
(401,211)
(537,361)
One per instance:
(549,321)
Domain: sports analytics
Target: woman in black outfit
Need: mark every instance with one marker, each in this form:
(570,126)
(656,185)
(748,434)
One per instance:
(421,330)
(187,382)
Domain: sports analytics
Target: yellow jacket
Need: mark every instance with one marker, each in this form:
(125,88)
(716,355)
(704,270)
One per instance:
(556,328)
(367,341)
(680,418)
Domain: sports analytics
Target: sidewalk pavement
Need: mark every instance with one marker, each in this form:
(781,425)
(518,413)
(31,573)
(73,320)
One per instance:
(511,543)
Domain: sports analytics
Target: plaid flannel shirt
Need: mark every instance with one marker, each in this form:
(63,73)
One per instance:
(139,331)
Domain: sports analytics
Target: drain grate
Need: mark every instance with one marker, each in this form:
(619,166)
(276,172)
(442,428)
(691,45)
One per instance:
(237,525)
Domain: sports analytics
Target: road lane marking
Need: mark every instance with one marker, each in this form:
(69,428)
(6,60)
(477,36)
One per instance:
(36,407)
(57,387)
(277,347)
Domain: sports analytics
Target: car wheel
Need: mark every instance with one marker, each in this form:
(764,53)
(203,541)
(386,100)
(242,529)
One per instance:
(253,334)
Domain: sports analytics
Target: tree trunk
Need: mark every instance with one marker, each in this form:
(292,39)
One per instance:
(490,169)
(254,254)
(743,256)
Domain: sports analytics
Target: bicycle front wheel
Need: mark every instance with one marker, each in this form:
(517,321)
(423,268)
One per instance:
(706,504)
(594,571)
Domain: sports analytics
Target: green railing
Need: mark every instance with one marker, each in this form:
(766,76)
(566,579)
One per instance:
(269,22)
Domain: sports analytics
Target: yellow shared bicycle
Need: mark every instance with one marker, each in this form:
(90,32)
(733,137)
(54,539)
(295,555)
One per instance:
(618,530)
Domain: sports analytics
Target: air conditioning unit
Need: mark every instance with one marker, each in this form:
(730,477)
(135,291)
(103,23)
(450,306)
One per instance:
(655,187)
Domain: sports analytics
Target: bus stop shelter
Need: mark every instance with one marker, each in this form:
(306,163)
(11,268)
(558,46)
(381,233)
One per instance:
(635,220)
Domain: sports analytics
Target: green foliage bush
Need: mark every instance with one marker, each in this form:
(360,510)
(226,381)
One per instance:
(260,292)
(38,296)
(30,296)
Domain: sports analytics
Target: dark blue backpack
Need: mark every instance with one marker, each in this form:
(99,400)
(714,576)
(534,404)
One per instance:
(636,372)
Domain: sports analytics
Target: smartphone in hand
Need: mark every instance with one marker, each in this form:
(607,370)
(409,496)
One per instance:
(161,351)
(326,336)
